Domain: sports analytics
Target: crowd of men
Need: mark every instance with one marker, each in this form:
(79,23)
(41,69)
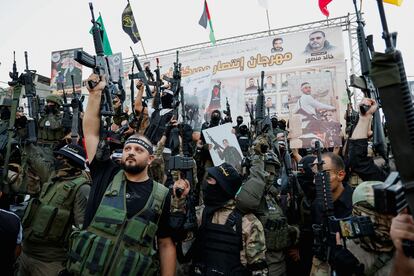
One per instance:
(137,194)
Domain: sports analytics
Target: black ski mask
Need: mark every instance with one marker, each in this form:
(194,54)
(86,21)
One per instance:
(215,118)
(167,100)
(4,113)
(239,120)
(214,195)
(51,109)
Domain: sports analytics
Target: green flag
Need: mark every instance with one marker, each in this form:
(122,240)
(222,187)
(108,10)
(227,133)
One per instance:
(105,41)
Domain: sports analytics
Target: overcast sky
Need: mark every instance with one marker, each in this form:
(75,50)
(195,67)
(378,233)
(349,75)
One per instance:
(43,26)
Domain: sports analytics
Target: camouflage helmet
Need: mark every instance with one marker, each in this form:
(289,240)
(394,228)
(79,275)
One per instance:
(363,205)
(54,99)
(365,193)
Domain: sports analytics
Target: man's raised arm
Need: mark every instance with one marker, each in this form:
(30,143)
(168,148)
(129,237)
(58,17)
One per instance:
(91,119)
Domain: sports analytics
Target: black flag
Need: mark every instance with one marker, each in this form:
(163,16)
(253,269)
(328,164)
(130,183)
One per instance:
(129,25)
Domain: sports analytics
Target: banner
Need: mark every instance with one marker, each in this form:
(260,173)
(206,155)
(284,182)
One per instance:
(63,66)
(232,71)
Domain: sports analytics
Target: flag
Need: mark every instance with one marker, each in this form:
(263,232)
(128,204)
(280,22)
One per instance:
(394,2)
(105,41)
(264,4)
(128,24)
(204,19)
(323,6)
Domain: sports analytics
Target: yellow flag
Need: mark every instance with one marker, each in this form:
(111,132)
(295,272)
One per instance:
(394,2)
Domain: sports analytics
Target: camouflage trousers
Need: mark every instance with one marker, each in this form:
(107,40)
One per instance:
(29,266)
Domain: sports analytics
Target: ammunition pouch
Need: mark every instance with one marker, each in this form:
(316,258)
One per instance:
(48,218)
(113,244)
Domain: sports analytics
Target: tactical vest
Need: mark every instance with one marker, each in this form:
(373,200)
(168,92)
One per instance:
(49,218)
(218,247)
(50,127)
(114,244)
(275,226)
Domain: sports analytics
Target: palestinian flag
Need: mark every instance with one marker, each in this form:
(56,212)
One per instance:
(204,19)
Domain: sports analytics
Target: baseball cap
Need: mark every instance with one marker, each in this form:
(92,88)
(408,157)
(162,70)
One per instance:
(227,177)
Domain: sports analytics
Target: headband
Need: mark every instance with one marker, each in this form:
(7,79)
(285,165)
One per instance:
(140,142)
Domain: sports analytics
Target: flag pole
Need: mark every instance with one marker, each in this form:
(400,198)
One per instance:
(142,44)
(268,21)
(143,49)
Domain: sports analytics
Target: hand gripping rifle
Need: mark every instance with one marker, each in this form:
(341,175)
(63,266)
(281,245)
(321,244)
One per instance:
(140,75)
(365,83)
(99,65)
(351,116)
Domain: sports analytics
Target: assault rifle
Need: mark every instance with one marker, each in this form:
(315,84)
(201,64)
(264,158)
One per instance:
(351,116)
(158,84)
(76,105)
(216,145)
(388,74)
(32,101)
(67,116)
(17,87)
(365,83)
(99,65)
(227,112)
(327,225)
(140,75)
(293,188)
(262,122)
(122,93)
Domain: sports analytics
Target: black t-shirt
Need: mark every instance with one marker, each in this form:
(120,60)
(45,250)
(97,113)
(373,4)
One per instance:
(102,173)
(10,236)
(137,194)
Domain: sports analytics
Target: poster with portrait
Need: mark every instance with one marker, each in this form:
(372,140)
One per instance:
(232,71)
(224,145)
(63,68)
(116,67)
(313,110)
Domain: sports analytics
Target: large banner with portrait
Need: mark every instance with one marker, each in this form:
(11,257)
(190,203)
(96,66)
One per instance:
(64,67)
(231,72)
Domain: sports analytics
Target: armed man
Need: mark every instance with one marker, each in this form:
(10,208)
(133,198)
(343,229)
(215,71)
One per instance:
(127,214)
(48,219)
(227,242)
(258,195)
(50,138)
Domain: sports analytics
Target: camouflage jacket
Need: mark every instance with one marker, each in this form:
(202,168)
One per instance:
(254,245)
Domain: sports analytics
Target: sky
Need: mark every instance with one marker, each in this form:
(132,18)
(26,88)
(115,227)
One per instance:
(43,26)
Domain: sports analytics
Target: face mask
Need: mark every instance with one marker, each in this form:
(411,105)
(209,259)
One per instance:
(50,109)
(5,114)
(239,121)
(166,101)
(214,195)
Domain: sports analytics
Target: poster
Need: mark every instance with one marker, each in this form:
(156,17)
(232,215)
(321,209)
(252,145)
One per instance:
(313,110)
(224,146)
(232,71)
(63,67)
